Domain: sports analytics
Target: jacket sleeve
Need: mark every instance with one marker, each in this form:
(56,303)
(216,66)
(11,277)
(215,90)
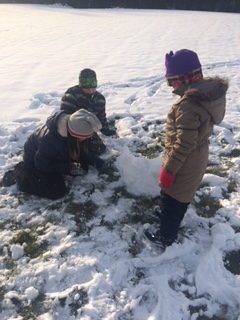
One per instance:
(47,159)
(100,108)
(104,122)
(186,122)
(69,103)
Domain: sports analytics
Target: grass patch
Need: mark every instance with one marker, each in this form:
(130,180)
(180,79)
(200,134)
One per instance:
(160,136)
(232,262)
(10,265)
(9,225)
(150,153)
(203,317)
(222,313)
(207,206)
(2,292)
(216,171)
(134,249)
(138,276)
(80,302)
(30,311)
(29,238)
(232,186)
(82,213)
(142,212)
(55,206)
(75,305)
(235,153)
(120,192)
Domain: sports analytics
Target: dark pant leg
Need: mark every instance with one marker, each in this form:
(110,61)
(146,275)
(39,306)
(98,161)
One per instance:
(35,182)
(172,213)
(10,176)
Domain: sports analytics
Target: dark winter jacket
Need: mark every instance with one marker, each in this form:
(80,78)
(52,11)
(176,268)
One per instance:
(189,124)
(74,99)
(47,147)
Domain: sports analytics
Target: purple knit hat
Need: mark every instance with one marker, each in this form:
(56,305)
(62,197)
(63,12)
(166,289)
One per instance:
(181,62)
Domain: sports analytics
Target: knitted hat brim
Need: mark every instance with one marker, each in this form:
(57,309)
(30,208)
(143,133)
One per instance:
(75,135)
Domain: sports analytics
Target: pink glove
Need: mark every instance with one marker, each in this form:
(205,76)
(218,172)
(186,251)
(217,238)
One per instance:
(166,179)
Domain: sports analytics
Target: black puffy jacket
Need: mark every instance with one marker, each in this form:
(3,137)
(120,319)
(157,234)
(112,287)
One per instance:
(47,150)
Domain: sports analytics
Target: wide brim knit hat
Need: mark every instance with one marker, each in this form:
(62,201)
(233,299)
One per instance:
(181,62)
(82,124)
(87,79)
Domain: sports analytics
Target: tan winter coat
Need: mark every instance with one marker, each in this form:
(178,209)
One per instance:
(189,124)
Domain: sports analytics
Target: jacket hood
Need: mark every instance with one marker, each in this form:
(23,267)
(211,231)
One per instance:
(57,123)
(209,93)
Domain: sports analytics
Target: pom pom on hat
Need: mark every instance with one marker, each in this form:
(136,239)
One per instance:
(83,123)
(181,62)
(87,79)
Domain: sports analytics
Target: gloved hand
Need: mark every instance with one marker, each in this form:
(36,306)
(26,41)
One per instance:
(77,170)
(97,162)
(110,132)
(108,166)
(90,159)
(166,179)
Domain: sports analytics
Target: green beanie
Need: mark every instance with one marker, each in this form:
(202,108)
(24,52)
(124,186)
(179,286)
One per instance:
(87,79)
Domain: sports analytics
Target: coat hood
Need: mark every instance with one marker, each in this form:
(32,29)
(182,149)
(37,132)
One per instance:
(209,93)
(57,123)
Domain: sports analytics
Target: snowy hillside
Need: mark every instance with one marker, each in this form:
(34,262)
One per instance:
(84,257)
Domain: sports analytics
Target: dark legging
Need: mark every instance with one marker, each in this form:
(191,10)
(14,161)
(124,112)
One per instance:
(172,213)
(35,182)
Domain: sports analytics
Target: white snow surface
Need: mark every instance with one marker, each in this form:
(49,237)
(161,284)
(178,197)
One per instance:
(107,271)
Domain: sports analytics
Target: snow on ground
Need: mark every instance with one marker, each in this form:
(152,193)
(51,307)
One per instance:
(83,257)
